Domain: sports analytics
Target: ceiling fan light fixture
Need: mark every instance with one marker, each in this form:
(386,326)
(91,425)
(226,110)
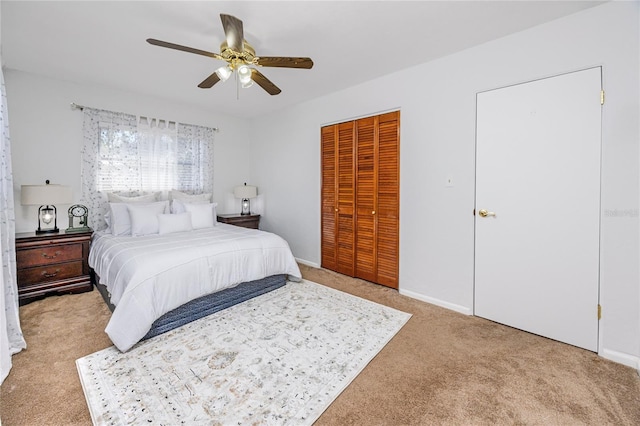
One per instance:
(224,73)
(244,74)
(247,84)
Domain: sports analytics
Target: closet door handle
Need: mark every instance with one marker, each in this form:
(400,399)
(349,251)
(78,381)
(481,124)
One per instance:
(373,212)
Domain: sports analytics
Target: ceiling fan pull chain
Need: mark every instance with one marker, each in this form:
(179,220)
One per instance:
(237,87)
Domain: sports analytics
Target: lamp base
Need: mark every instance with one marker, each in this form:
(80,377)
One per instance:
(245,207)
(46,215)
(47,231)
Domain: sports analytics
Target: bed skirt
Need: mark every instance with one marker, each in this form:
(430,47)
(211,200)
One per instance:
(206,305)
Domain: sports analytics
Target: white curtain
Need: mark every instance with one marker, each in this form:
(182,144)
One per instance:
(11,339)
(158,154)
(195,158)
(107,136)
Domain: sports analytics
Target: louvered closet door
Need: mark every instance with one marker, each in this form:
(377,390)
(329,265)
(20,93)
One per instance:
(329,205)
(360,198)
(388,199)
(345,199)
(366,188)
(338,200)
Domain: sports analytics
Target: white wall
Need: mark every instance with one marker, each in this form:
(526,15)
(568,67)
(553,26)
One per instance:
(437,103)
(46,135)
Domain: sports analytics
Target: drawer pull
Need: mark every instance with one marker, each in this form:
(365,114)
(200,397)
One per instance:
(56,254)
(48,275)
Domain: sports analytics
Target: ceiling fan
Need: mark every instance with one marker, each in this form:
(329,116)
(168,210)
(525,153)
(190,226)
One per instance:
(240,57)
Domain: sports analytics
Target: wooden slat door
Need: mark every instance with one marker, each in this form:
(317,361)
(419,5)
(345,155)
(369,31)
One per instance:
(345,197)
(388,199)
(366,199)
(360,198)
(329,205)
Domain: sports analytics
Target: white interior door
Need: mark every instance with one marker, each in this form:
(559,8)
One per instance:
(538,171)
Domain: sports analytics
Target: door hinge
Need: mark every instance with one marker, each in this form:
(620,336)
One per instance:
(602,97)
(599,311)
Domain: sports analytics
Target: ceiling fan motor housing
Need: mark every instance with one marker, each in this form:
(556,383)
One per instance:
(247,56)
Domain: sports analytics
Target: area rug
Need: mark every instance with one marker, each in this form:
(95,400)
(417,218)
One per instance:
(278,359)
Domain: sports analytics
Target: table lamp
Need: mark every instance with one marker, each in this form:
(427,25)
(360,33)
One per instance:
(245,192)
(46,196)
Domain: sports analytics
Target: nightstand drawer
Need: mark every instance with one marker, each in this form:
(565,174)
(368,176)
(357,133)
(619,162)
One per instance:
(55,272)
(49,255)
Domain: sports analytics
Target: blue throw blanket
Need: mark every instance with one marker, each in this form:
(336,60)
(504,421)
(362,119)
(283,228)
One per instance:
(207,305)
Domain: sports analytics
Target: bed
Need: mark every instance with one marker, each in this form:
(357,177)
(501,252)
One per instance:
(150,276)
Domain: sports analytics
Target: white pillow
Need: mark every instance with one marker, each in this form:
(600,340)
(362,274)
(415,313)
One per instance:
(107,220)
(177,195)
(177,206)
(144,217)
(120,215)
(169,223)
(202,215)
(119,218)
(116,198)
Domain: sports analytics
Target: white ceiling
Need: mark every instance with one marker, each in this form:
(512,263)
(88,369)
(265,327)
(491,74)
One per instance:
(103,42)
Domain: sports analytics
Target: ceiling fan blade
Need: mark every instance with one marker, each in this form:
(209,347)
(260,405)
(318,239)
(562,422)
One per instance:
(264,82)
(183,48)
(278,61)
(234,32)
(208,82)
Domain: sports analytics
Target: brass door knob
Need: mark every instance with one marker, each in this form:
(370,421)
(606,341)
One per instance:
(485,213)
(373,212)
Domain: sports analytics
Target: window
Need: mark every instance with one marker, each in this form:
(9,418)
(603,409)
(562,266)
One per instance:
(153,157)
(113,164)
(125,154)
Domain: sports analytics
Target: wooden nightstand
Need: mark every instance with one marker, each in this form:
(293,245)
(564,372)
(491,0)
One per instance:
(54,263)
(246,221)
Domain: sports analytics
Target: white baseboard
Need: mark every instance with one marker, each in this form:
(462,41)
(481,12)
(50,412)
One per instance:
(306,262)
(458,308)
(621,358)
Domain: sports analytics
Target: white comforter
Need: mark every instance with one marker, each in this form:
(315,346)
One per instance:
(149,276)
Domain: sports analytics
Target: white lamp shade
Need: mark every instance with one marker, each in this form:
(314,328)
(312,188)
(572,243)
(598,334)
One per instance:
(224,73)
(245,191)
(244,74)
(39,195)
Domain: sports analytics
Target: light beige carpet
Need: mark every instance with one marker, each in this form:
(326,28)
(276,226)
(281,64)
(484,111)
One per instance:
(442,368)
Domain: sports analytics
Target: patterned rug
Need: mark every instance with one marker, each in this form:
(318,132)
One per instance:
(278,359)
